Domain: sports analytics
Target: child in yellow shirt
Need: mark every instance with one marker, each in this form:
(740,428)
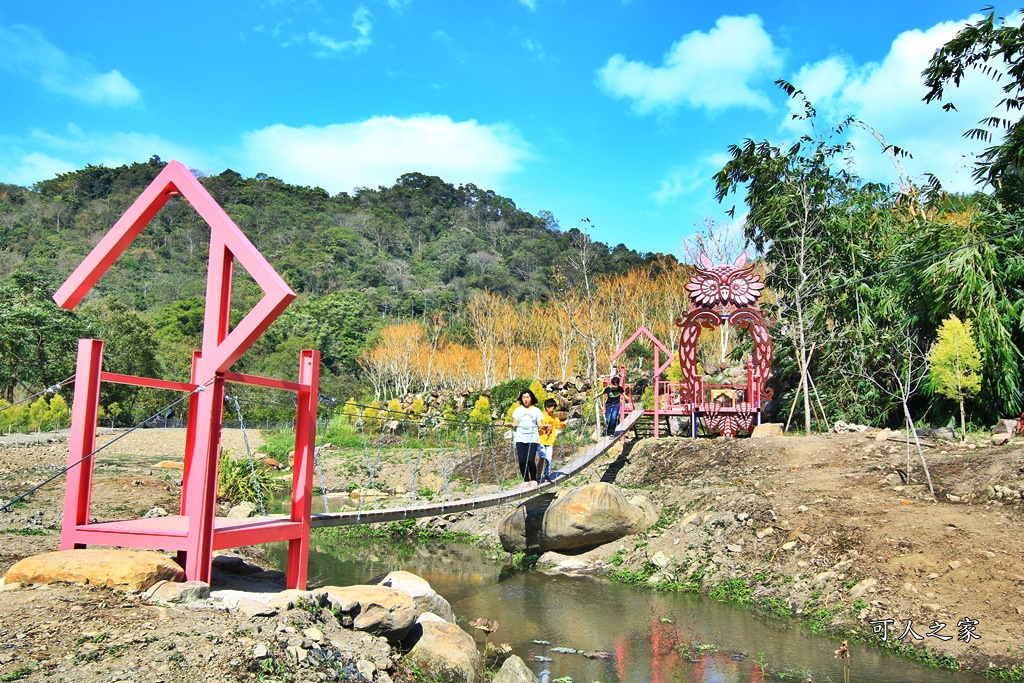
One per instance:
(549,427)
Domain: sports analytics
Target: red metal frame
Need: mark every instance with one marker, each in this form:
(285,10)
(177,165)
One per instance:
(662,389)
(719,295)
(196,532)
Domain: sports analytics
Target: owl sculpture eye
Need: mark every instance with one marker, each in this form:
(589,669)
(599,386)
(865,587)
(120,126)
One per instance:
(744,288)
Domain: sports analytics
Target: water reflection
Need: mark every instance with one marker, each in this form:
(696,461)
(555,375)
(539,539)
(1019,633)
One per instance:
(649,637)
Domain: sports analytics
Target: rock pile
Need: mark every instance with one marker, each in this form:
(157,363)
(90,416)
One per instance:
(570,394)
(371,633)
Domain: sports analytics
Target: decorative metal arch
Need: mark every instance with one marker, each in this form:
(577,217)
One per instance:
(726,294)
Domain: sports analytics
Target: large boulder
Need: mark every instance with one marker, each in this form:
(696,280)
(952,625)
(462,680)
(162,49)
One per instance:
(1005,426)
(423,596)
(442,651)
(378,610)
(514,670)
(574,520)
(767,429)
(651,513)
(134,570)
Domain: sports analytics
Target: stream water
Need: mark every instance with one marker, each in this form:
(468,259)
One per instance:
(649,637)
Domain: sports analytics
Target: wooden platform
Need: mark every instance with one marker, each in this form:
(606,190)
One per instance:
(171,532)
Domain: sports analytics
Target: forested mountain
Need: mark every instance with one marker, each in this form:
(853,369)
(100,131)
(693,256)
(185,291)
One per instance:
(418,246)
(412,250)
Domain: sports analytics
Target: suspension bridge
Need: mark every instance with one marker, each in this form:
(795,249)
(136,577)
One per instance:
(571,465)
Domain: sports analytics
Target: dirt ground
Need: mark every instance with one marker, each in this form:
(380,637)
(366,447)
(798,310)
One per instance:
(826,526)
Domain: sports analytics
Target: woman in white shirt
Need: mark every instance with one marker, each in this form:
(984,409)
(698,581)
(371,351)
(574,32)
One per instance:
(526,419)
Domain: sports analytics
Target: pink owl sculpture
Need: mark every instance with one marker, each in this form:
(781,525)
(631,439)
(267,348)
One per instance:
(725,295)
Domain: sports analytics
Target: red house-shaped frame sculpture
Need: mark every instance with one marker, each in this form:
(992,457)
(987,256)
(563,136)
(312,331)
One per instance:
(196,532)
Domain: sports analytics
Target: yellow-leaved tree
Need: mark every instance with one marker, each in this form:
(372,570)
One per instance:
(955,362)
(481,413)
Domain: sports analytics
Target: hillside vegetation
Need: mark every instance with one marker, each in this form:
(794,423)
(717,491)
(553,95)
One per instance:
(419,249)
(889,305)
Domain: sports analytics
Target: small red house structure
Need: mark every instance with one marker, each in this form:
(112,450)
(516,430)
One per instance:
(719,295)
(196,532)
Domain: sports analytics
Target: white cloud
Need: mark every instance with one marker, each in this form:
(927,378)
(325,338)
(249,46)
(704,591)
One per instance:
(25,51)
(362,22)
(714,70)
(535,47)
(341,157)
(52,153)
(690,180)
(529,4)
(28,168)
(887,96)
(337,157)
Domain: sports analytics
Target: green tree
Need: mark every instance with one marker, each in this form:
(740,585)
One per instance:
(980,278)
(59,415)
(955,361)
(796,196)
(995,49)
(37,413)
(38,339)
(14,419)
(130,347)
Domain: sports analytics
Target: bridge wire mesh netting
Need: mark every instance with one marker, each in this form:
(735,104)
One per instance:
(472,465)
(389,461)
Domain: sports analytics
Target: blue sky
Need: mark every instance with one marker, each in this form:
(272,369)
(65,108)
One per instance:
(619,112)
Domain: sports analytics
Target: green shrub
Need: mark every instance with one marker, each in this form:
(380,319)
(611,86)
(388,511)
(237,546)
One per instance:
(395,410)
(538,390)
(647,400)
(507,394)
(239,481)
(59,416)
(418,407)
(43,414)
(369,416)
(342,433)
(279,444)
(350,411)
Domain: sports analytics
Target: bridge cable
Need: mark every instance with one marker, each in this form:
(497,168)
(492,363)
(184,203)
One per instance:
(48,390)
(252,466)
(8,504)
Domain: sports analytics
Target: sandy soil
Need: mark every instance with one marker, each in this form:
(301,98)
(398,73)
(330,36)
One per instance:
(821,522)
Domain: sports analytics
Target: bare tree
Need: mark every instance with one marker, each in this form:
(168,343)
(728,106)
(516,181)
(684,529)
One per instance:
(581,304)
(900,378)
